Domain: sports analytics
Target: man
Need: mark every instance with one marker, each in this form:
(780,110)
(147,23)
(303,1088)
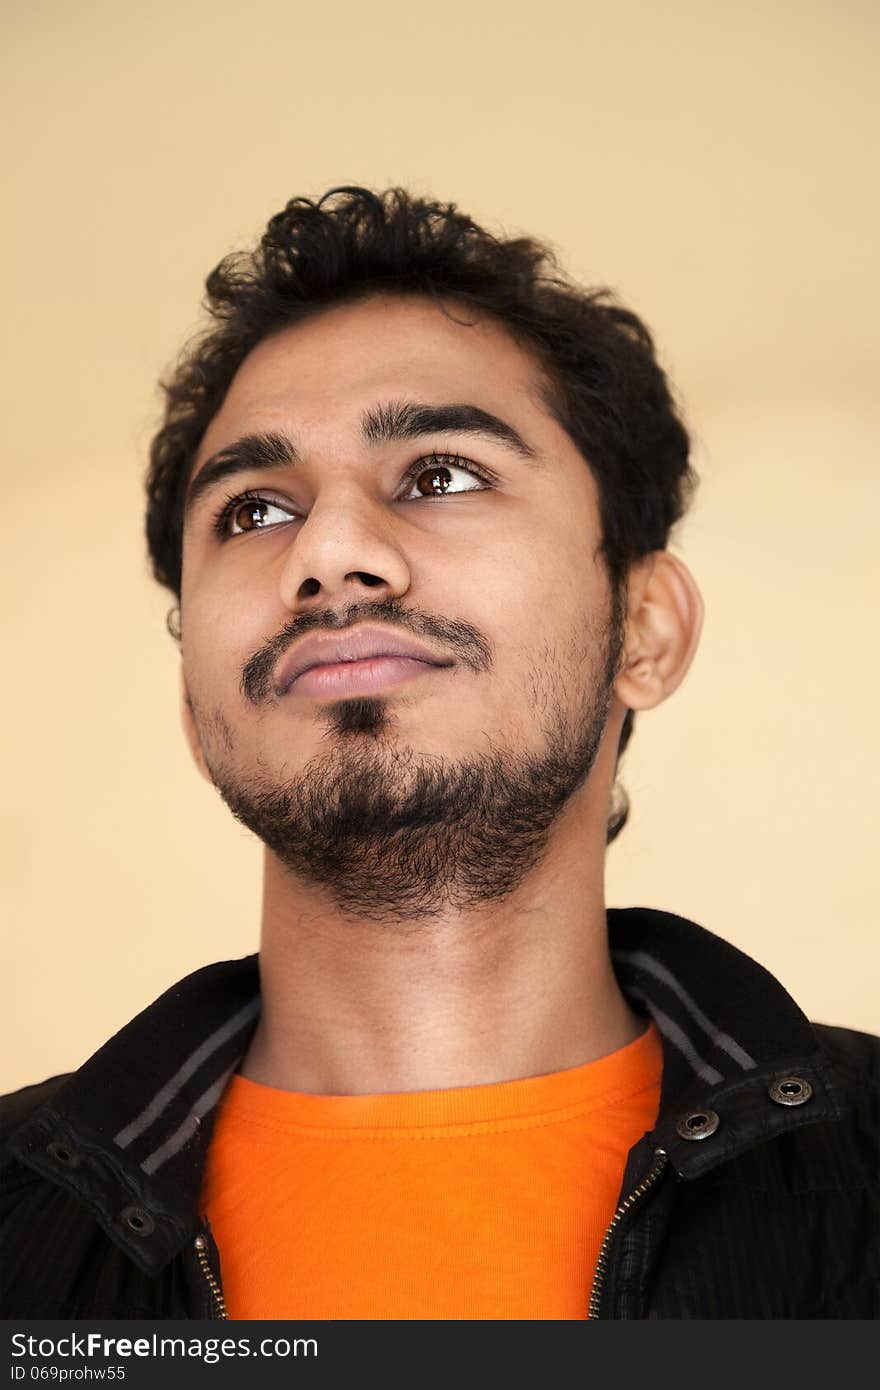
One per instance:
(413,492)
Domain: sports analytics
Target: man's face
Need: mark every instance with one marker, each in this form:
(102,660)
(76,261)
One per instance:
(433,784)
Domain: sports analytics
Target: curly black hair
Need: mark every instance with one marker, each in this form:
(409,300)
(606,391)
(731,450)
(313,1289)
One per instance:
(604,385)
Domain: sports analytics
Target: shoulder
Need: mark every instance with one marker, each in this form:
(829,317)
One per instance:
(15,1109)
(16,1106)
(854,1055)
(853,1063)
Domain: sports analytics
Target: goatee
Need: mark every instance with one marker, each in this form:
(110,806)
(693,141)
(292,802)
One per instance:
(395,834)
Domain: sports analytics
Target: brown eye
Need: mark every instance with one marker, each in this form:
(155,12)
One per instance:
(249,515)
(434,481)
(438,479)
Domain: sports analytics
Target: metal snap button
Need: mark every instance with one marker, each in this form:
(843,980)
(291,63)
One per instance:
(699,1125)
(790,1090)
(63,1153)
(138,1221)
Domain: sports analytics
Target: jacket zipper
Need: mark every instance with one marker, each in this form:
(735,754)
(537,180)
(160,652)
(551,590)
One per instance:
(660,1162)
(217,1300)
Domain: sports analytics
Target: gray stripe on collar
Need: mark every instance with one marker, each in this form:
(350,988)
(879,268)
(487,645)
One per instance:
(196,1059)
(640,960)
(677,1036)
(175,1142)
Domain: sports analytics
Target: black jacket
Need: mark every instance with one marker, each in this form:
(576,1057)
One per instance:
(754,1196)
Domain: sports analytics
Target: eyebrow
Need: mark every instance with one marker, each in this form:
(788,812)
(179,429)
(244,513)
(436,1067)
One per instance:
(382,424)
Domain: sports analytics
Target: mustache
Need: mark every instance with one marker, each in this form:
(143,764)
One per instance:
(461,639)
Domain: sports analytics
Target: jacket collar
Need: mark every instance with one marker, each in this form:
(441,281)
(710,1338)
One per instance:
(129,1132)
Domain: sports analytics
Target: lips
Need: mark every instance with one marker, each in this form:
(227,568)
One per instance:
(355,644)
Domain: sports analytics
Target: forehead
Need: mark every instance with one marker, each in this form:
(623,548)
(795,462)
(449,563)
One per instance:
(345,357)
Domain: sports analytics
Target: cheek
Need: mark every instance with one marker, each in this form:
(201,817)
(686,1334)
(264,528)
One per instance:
(540,572)
(220,633)
(550,604)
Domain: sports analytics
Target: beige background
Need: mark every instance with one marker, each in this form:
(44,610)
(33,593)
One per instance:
(711,161)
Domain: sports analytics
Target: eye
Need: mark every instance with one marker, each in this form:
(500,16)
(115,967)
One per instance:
(248,511)
(431,477)
(434,476)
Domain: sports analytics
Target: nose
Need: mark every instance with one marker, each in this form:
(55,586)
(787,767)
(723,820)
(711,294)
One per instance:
(344,550)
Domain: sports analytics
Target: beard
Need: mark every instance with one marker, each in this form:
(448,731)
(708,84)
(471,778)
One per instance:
(389,833)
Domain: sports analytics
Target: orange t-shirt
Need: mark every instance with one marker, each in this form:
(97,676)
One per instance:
(477,1202)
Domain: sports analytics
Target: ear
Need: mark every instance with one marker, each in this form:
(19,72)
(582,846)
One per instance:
(663,625)
(191,731)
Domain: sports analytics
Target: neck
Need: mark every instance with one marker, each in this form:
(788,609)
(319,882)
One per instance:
(516,988)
